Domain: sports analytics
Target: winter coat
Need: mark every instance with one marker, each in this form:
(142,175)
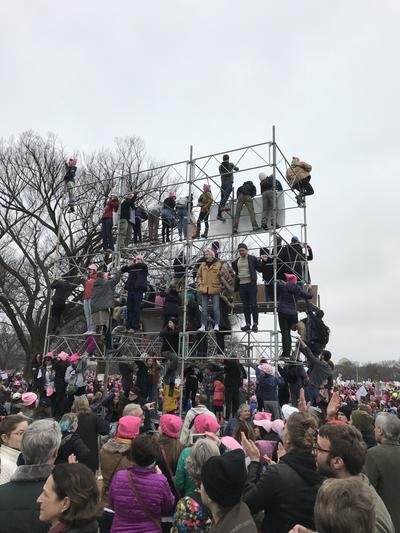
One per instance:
(247,189)
(285,491)
(267,184)
(103,293)
(254,267)
(233,424)
(88,288)
(297,171)
(288,294)
(71,443)
(187,428)
(382,466)
(318,371)
(137,279)
(70,171)
(226,170)
(154,490)
(170,340)
(19,512)
(89,427)
(267,388)
(172,303)
(182,480)
(169,203)
(297,260)
(126,206)
(238,519)
(111,206)
(93,527)
(114,456)
(219,392)
(144,378)
(205,201)
(61,289)
(208,277)
(234,373)
(8,463)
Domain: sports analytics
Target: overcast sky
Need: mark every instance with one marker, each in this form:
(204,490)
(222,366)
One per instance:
(218,74)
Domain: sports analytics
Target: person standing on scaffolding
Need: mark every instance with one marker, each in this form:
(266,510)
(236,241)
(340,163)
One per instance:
(111,206)
(125,220)
(69,180)
(205,201)
(87,298)
(167,217)
(226,170)
(136,286)
(298,176)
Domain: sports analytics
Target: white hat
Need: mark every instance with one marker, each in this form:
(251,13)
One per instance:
(288,410)
(262,176)
(16,396)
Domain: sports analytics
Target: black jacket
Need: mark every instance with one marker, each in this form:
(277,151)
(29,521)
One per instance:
(61,290)
(71,443)
(234,373)
(267,184)
(144,378)
(170,340)
(126,206)
(137,279)
(285,491)
(247,188)
(226,172)
(89,427)
(70,172)
(19,512)
(172,303)
(297,260)
(254,267)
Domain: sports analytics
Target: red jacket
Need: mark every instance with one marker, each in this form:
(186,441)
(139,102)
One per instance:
(111,205)
(87,293)
(219,391)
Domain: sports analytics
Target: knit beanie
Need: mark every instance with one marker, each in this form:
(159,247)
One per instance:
(203,423)
(224,476)
(346,410)
(128,427)
(362,420)
(171,425)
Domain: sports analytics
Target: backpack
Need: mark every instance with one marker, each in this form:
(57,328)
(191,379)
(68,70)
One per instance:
(291,376)
(324,333)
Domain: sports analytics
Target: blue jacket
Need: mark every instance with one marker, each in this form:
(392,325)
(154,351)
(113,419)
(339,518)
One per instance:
(288,294)
(267,387)
(137,279)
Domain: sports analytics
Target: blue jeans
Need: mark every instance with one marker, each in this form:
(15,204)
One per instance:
(248,296)
(133,305)
(226,190)
(204,308)
(106,233)
(88,314)
(182,214)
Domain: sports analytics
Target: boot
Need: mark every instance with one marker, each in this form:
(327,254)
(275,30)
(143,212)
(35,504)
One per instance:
(205,234)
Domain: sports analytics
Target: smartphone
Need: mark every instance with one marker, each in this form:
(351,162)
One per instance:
(197,436)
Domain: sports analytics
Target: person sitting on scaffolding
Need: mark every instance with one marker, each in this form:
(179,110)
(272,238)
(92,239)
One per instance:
(91,276)
(289,292)
(167,217)
(111,207)
(245,195)
(209,285)
(125,220)
(136,285)
(298,176)
(69,179)
(61,291)
(246,267)
(205,201)
(226,170)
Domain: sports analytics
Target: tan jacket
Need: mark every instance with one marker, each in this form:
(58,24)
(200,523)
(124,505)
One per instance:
(297,171)
(205,201)
(208,278)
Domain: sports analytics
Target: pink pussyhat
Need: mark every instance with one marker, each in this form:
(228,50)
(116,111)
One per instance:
(231,443)
(290,278)
(49,354)
(74,357)
(63,356)
(28,398)
(171,425)
(265,368)
(203,423)
(262,416)
(171,194)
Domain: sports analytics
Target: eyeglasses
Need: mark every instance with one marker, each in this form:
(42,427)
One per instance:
(317,449)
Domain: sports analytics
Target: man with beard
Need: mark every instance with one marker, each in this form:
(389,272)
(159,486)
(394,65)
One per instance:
(340,453)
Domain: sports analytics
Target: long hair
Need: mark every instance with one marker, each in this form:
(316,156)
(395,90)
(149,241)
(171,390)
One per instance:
(172,449)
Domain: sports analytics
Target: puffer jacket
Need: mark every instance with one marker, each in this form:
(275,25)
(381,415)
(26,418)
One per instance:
(288,294)
(103,293)
(111,206)
(113,457)
(248,189)
(137,280)
(267,388)
(208,277)
(154,490)
(297,171)
(205,201)
(8,463)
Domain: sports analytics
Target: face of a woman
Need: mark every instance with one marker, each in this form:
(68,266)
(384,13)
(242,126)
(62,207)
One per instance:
(14,439)
(51,507)
(207,255)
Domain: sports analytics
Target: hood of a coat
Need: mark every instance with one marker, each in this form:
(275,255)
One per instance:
(113,446)
(304,464)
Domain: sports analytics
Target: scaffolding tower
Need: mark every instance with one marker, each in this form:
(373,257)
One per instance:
(186,178)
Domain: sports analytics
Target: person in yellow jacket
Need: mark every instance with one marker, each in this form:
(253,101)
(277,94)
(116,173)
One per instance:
(209,285)
(298,176)
(205,202)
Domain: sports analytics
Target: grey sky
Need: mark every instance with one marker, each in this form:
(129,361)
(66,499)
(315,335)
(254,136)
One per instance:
(218,74)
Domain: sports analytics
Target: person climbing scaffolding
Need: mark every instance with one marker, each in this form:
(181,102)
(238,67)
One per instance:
(69,180)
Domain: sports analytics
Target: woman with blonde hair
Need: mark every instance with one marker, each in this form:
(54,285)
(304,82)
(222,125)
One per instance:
(89,427)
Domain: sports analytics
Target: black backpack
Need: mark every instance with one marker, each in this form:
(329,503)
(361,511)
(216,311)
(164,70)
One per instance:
(324,333)
(291,374)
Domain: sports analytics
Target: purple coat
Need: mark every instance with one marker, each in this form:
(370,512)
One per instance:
(288,294)
(155,493)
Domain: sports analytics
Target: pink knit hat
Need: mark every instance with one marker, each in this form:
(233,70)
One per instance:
(291,278)
(92,267)
(128,427)
(50,355)
(63,356)
(203,423)
(171,194)
(171,425)
(265,368)
(28,398)
(231,443)
(262,416)
(206,187)
(74,357)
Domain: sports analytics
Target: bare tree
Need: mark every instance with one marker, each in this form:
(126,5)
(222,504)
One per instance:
(35,231)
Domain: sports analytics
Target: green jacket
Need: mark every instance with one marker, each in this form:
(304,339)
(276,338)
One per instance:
(182,480)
